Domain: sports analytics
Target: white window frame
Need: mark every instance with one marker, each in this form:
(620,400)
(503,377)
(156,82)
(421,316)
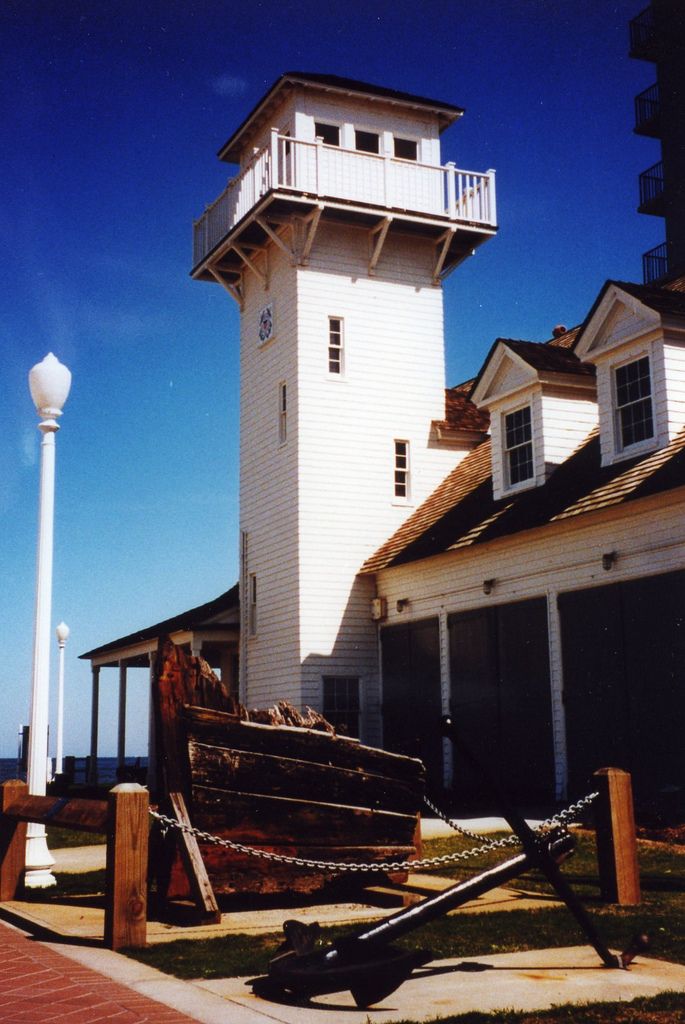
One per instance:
(406,138)
(634,447)
(252,604)
(401,471)
(329,124)
(348,712)
(282,412)
(336,352)
(368,131)
(506,451)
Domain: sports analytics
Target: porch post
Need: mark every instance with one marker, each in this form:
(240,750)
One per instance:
(151,739)
(121,736)
(94,713)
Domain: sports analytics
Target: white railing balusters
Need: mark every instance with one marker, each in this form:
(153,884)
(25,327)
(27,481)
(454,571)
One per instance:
(321,170)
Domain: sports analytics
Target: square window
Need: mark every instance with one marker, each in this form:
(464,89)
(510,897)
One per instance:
(633,390)
(406,149)
(341,705)
(366,142)
(330,133)
(518,446)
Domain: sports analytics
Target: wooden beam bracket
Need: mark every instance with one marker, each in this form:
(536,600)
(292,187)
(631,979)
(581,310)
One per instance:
(234,290)
(249,263)
(313,220)
(275,238)
(443,245)
(380,233)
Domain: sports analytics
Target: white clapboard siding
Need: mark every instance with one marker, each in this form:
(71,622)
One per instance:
(648,536)
(317,506)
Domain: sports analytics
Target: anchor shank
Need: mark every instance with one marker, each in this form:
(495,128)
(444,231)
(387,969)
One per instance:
(391,928)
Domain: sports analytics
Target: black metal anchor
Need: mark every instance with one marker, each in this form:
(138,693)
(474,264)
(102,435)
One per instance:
(371,968)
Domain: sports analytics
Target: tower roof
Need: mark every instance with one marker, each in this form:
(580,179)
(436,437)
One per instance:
(446,112)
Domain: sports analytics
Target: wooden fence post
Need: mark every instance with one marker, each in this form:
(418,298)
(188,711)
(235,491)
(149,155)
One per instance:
(12,841)
(619,876)
(127,839)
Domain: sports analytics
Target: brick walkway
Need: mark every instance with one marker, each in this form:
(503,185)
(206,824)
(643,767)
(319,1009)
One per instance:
(39,985)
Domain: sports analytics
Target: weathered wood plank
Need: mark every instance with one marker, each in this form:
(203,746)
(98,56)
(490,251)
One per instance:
(12,840)
(252,818)
(71,812)
(235,873)
(227,768)
(221,729)
(200,885)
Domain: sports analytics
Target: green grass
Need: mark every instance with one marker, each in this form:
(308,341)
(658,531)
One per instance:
(58,837)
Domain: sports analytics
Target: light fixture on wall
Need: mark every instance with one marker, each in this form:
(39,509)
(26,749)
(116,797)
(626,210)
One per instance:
(608,559)
(488,585)
(402,604)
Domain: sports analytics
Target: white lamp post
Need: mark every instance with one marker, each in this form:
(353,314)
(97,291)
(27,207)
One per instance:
(49,383)
(62,632)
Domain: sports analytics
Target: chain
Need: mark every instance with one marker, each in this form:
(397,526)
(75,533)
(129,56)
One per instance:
(167,823)
(568,814)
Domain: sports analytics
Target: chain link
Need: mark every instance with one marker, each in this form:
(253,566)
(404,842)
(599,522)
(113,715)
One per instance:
(384,867)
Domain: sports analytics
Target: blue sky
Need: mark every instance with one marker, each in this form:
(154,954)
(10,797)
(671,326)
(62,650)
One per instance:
(112,115)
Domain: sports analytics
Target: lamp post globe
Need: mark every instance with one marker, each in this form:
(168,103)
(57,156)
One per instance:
(49,384)
(62,633)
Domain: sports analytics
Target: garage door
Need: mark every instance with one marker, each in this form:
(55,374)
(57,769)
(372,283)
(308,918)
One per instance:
(412,702)
(500,697)
(624,681)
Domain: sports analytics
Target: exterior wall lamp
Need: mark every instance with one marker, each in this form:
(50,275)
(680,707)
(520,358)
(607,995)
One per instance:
(402,604)
(608,559)
(488,585)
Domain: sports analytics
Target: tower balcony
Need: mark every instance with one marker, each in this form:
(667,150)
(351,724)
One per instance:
(311,179)
(648,113)
(652,192)
(644,42)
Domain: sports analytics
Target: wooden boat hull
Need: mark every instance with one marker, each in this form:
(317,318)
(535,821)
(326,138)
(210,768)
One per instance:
(281,789)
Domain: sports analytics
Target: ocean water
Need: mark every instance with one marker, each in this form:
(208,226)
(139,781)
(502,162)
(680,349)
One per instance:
(107,768)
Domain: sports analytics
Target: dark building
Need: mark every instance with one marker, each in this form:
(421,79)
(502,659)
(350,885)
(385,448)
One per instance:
(657,34)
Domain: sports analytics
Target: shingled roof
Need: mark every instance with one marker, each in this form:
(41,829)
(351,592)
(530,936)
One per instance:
(462,511)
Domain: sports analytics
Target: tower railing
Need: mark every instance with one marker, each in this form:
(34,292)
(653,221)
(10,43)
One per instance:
(655,263)
(651,184)
(647,109)
(318,170)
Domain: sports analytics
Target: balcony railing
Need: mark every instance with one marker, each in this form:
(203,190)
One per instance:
(647,111)
(651,185)
(655,263)
(643,35)
(321,171)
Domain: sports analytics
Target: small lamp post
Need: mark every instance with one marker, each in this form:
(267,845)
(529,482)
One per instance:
(62,632)
(49,383)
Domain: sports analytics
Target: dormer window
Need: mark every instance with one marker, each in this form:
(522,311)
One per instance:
(330,133)
(518,446)
(633,397)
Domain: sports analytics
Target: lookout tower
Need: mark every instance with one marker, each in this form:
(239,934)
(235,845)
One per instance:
(334,238)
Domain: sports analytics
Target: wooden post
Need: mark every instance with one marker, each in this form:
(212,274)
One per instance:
(619,876)
(127,839)
(12,841)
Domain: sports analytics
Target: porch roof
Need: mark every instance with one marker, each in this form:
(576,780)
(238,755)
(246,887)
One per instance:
(222,614)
